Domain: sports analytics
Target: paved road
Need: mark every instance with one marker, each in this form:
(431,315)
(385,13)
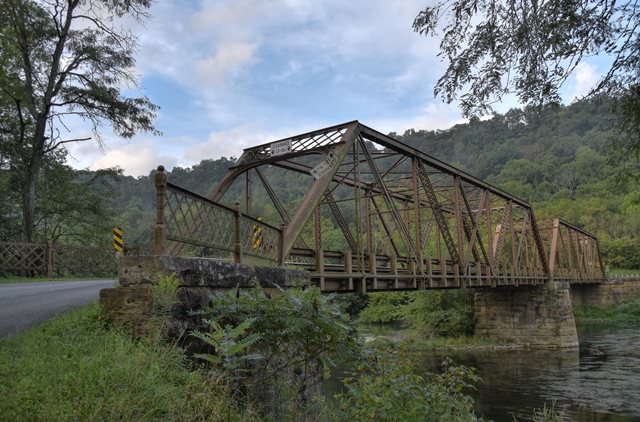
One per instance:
(24,305)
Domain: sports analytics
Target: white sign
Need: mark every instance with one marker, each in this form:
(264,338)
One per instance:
(282,147)
(325,166)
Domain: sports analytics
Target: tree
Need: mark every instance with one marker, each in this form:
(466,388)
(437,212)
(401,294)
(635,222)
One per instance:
(74,205)
(63,61)
(530,48)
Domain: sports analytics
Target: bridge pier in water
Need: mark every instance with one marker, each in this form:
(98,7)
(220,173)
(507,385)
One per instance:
(535,316)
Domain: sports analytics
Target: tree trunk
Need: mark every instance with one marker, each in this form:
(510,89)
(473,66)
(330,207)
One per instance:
(28,188)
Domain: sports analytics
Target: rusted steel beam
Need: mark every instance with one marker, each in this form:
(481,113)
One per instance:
(316,193)
(538,241)
(280,208)
(502,228)
(395,145)
(387,230)
(160,231)
(437,213)
(404,231)
(342,222)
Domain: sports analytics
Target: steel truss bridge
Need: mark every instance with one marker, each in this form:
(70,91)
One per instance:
(408,220)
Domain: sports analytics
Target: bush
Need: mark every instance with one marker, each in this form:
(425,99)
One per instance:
(384,307)
(280,344)
(388,387)
(622,253)
(440,313)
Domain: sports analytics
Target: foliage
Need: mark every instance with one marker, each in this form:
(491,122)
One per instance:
(281,341)
(388,387)
(63,60)
(550,414)
(229,344)
(351,303)
(494,48)
(623,252)
(164,293)
(76,367)
(627,312)
(384,307)
(440,313)
(437,313)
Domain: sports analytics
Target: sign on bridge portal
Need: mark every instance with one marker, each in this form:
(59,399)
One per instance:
(282,147)
(118,244)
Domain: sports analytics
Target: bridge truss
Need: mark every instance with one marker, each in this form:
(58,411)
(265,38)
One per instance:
(408,221)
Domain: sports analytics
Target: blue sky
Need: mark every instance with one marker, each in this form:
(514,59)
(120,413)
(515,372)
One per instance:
(232,74)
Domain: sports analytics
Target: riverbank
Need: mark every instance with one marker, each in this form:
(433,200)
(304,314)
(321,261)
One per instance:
(625,313)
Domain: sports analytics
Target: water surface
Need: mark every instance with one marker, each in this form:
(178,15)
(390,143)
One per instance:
(600,381)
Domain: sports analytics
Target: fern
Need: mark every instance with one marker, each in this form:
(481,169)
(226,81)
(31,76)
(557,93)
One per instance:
(228,344)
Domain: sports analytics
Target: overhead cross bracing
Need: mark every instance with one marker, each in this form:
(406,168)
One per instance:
(409,220)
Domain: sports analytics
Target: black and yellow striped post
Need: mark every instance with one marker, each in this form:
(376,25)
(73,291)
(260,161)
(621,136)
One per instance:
(118,244)
(256,236)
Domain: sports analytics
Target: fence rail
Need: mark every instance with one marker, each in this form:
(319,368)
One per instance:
(56,260)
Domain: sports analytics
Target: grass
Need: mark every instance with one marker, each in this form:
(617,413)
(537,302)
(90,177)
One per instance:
(457,343)
(627,312)
(76,367)
(12,280)
(622,271)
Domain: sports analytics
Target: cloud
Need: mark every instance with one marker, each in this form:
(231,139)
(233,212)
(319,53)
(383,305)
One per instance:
(136,158)
(429,117)
(229,58)
(586,77)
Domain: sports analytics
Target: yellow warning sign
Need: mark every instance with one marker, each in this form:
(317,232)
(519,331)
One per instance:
(256,236)
(118,244)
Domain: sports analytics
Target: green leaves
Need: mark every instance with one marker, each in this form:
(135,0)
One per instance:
(228,344)
(389,387)
(275,346)
(62,60)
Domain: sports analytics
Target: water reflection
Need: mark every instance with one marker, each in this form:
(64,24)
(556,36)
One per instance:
(599,382)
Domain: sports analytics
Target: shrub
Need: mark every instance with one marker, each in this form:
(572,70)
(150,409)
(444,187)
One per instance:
(440,313)
(389,387)
(292,336)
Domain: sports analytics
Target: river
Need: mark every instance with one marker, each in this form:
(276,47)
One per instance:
(599,382)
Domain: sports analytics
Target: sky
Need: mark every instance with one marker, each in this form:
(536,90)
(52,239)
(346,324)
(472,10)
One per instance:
(228,75)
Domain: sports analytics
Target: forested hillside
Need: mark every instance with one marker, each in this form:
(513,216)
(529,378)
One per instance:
(555,159)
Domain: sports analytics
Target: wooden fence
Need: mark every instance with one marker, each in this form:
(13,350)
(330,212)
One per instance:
(37,259)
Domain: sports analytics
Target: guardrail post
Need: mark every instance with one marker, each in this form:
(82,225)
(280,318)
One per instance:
(160,232)
(237,249)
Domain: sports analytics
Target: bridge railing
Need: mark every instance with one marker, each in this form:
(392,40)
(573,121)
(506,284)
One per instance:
(196,226)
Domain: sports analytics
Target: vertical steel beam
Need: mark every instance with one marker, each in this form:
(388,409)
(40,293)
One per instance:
(160,231)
